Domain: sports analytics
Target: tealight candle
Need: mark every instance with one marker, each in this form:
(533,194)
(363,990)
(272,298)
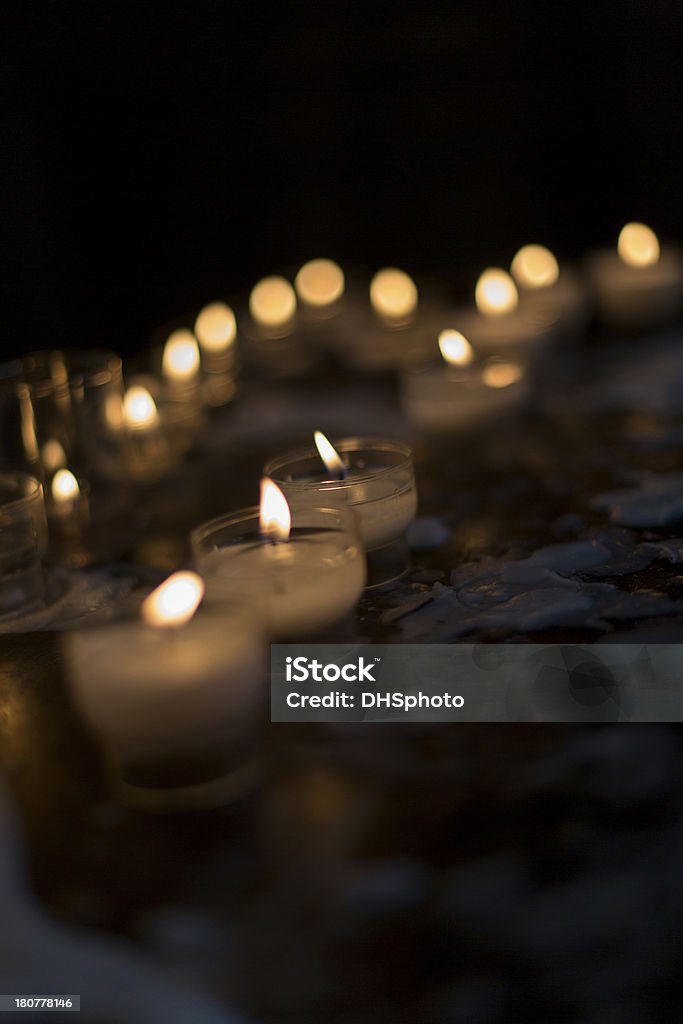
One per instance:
(393,296)
(639,285)
(462,393)
(174,697)
(275,341)
(557,296)
(299,575)
(373,476)
(159,424)
(216,331)
(180,363)
(500,325)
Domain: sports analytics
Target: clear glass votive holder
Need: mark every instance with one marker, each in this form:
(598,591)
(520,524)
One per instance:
(23,542)
(295,587)
(178,711)
(96,389)
(18,441)
(378,486)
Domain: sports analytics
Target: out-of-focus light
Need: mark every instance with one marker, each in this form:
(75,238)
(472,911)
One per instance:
(180,361)
(534,266)
(139,408)
(455,348)
(174,601)
(64,487)
(638,245)
(495,293)
(320,283)
(502,375)
(272,302)
(216,327)
(393,295)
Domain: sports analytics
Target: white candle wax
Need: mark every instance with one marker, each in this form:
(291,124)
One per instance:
(555,295)
(295,587)
(637,297)
(151,693)
(519,332)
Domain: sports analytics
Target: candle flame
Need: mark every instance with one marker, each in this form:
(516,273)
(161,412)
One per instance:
(272,302)
(495,293)
(534,266)
(455,348)
(502,375)
(64,486)
(216,327)
(275,517)
(638,245)
(139,408)
(180,361)
(174,602)
(54,456)
(393,295)
(330,456)
(320,283)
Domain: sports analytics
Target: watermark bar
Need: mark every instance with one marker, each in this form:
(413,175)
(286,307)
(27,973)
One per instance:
(477,683)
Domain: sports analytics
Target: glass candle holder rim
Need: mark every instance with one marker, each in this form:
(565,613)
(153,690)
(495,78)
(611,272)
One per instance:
(252,514)
(344,446)
(92,366)
(26,498)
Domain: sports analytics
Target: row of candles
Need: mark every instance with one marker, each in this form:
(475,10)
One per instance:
(332,516)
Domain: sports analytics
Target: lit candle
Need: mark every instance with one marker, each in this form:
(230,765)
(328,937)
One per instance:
(373,476)
(640,284)
(180,365)
(216,331)
(500,325)
(320,286)
(461,393)
(556,296)
(66,492)
(175,696)
(300,569)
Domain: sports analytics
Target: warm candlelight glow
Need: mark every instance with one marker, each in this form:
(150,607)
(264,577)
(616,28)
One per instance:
(139,408)
(638,245)
(174,602)
(534,266)
(275,518)
(455,348)
(54,457)
(181,356)
(501,375)
(393,295)
(64,487)
(216,327)
(495,293)
(330,456)
(272,302)
(320,283)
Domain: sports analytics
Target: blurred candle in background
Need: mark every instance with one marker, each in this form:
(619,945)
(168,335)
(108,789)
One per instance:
(638,285)
(553,293)
(272,305)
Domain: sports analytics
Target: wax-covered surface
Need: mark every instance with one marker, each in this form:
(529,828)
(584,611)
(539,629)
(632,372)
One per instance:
(454,873)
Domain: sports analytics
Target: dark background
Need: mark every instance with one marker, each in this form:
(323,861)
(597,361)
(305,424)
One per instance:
(155,159)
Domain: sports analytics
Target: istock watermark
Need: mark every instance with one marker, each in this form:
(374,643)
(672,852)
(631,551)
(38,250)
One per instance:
(477,683)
